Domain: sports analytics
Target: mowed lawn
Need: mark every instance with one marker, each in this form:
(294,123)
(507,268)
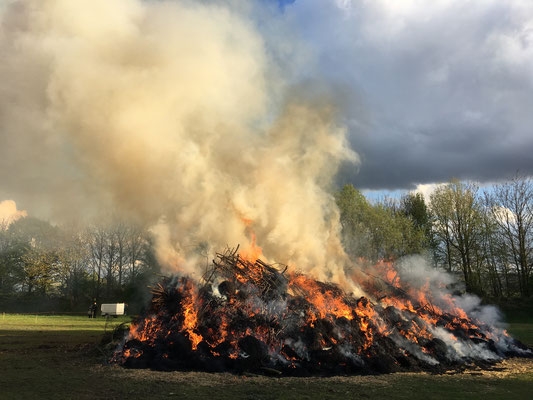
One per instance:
(60,357)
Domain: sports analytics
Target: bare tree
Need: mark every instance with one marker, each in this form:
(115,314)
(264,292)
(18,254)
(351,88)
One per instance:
(136,244)
(512,207)
(121,235)
(96,239)
(492,253)
(110,257)
(74,255)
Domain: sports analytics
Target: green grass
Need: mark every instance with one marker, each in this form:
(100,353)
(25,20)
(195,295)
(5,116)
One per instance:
(55,357)
(523,332)
(51,323)
(520,319)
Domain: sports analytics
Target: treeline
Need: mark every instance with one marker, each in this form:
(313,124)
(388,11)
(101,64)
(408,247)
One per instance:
(485,237)
(50,268)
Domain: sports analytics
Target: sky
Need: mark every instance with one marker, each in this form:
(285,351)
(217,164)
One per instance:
(425,90)
(432,90)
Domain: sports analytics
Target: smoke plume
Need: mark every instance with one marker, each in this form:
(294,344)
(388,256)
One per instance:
(172,113)
(182,115)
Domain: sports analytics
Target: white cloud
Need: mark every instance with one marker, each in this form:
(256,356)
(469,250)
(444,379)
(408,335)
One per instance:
(427,189)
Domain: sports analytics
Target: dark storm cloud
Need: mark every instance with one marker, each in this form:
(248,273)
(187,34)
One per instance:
(438,89)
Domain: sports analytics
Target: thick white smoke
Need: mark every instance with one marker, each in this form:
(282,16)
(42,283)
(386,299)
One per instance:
(172,113)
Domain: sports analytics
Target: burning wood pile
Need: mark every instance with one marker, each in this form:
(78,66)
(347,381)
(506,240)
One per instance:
(248,316)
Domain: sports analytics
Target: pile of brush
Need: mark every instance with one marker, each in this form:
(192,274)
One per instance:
(248,316)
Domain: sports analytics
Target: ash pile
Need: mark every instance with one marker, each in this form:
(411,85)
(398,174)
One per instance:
(249,316)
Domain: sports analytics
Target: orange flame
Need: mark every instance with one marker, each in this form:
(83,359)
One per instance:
(420,311)
(253,252)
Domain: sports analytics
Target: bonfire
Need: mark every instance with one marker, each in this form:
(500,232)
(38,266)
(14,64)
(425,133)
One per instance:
(245,315)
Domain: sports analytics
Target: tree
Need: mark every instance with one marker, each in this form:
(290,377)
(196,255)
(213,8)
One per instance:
(494,254)
(40,268)
(96,240)
(136,248)
(69,265)
(354,215)
(121,234)
(37,242)
(415,208)
(457,226)
(73,273)
(512,206)
(376,231)
(11,266)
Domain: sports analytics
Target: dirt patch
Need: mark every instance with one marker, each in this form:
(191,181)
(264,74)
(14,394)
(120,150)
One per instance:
(508,367)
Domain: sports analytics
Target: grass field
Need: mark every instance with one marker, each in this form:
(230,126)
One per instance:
(520,321)
(55,357)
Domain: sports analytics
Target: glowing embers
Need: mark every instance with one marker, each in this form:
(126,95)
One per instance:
(247,315)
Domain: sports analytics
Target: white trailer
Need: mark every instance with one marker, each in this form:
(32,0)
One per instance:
(112,309)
